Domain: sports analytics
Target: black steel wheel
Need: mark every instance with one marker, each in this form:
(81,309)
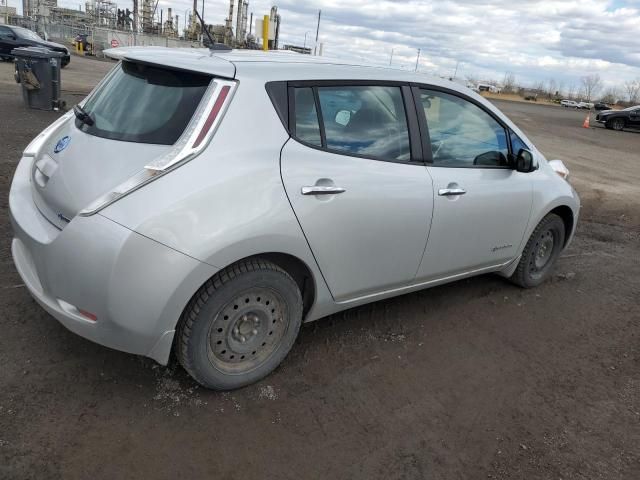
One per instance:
(540,253)
(240,325)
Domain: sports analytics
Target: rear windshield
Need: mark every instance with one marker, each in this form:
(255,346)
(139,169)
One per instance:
(144,104)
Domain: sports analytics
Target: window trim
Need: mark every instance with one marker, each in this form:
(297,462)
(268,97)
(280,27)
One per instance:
(426,140)
(412,118)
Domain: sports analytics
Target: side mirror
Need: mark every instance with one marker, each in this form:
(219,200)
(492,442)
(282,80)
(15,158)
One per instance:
(524,161)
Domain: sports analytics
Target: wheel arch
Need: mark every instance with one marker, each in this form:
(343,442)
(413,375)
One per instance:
(294,266)
(566,214)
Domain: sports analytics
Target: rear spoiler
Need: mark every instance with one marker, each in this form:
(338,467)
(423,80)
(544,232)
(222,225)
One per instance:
(199,60)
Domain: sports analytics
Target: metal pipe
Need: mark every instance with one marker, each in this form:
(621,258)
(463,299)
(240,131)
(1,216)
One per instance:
(265,33)
(315,48)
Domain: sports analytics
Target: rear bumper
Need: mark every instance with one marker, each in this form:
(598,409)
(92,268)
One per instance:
(136,287)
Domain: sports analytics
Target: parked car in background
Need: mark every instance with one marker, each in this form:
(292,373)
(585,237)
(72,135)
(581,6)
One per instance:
(601,106)
(14,37)
(585,105)
(620,119)
(145,221)
(569,104)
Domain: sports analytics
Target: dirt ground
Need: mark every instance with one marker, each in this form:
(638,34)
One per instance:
(477,379)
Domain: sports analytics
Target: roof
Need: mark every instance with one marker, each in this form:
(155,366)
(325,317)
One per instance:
(271,65)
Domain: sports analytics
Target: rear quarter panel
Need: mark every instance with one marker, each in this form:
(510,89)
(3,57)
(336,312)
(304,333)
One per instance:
(228,203)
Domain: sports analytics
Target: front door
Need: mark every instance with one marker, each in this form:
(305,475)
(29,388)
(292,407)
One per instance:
(482,205)
(364,206)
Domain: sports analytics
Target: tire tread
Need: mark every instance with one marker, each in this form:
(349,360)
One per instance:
(519,276)
(190,314)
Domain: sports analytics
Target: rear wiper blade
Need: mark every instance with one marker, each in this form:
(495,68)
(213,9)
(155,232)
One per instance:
(82,115)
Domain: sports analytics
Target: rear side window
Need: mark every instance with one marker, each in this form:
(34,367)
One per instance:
(144,104)
(367,121)
(307,125)
(461,133)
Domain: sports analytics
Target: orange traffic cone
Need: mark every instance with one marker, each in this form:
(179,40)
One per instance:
(586,122)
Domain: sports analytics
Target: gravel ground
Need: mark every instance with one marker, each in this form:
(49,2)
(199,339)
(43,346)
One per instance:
(477,379)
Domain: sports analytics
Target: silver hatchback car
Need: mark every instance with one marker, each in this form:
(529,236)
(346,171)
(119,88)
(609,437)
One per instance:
(207,204)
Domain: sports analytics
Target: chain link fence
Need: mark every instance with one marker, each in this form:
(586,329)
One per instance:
(101,38)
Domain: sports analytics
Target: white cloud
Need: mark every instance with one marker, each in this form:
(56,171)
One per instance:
(535,39)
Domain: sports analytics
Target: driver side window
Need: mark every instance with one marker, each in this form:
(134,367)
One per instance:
(461,133)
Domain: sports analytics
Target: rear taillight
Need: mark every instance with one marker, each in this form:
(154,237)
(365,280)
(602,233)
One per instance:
(191,143)
(213,114)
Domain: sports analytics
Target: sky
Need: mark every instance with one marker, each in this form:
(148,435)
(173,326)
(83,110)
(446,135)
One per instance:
(536,40)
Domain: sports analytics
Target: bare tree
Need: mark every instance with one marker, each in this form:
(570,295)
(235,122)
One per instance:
(632,89)
(472,79)
(591,85)
(571,91)
(611,95)
(539,87)
(550,88)
(509,83)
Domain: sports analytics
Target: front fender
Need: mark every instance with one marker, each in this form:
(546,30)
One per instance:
(550,192)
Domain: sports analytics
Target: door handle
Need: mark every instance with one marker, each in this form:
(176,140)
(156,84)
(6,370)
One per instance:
(449,192)
(321,190)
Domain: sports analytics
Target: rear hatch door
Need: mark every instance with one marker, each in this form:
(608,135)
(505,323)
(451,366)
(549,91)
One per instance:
(134,117)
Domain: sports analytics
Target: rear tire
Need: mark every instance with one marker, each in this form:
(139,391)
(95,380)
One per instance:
(540,253)
(240,325)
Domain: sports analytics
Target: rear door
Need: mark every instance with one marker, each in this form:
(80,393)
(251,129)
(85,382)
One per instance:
(481,204)
(363,203)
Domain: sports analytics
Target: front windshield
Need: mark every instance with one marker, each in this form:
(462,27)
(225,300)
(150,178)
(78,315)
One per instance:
(28,34)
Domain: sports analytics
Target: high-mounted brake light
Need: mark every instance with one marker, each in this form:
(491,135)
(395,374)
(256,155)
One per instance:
(191,143)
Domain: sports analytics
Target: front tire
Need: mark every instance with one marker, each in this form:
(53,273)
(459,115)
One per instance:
(616,124)
(540,253)
(240,325)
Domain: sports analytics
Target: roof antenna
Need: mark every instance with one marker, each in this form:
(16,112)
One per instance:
(221,47)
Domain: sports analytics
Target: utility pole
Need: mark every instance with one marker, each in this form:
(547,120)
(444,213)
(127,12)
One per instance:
(456,71)
(417,60)
(391,57)
(315,49)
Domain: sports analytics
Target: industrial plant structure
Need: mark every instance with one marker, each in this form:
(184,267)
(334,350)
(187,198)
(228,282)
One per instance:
(145,17)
